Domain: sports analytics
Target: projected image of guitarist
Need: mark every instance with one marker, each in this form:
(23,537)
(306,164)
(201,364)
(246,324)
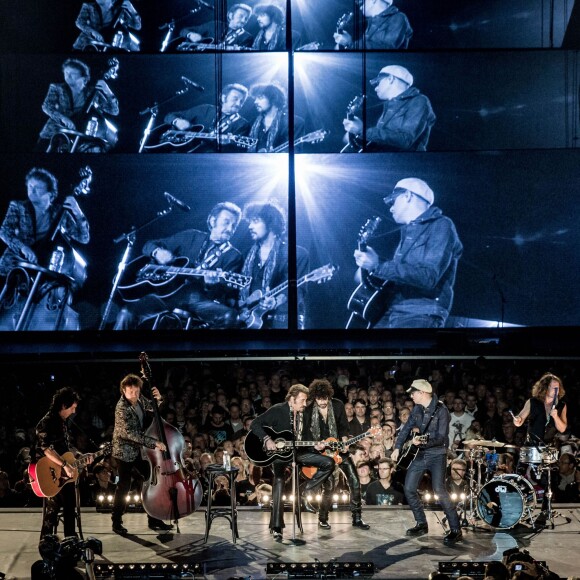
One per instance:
(421,275)
(53,441)
(429,421)
(325,418)
(192,270)
(267,264)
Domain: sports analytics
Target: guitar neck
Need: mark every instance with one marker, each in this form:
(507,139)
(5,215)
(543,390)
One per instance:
(284,286)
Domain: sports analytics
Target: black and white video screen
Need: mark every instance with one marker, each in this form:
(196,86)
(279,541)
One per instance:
(455,240)
(134,242)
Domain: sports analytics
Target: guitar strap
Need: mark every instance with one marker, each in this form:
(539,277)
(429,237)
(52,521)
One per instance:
(212,256)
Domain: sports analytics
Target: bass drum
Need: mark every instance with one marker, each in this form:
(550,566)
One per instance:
(503,500)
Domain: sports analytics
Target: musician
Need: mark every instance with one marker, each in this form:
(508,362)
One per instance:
(207,298)
(53,440)
(129,439)
(66,106)
(231,35)
(98,21)
(424,265)
(387,27)
(326,418)
(29,225)
(267,263)
(270,127)
(429,417)
(288,416)
(272,34)
(385,491)
(207,117)
(407,118)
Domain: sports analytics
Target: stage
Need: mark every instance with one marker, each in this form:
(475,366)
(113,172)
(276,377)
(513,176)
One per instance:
(394,555)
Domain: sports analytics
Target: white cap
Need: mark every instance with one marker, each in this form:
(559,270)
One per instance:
(420,385)
(418,187)
(397,71)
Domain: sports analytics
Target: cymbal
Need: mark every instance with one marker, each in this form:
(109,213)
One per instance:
(483,443)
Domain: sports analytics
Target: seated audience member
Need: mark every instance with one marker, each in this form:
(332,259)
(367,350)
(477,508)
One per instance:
(384,491)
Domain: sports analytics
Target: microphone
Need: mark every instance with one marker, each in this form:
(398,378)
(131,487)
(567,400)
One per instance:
(174,201)
(554,404)
(202,3)
(194,85)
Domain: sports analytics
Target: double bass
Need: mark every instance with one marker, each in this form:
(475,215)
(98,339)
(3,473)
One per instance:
(171,492)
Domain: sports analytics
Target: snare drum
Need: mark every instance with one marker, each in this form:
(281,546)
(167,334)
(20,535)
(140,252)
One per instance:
(539,455)
(502,501)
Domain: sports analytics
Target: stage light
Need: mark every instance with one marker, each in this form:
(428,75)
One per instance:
(335,497)
(109,498)
(283,498)
(101,498)
(462,496)
(344,497)
(128,499)
(454,496)
(319,569)
(292,498)
(309,497)
(318,497)
(265,498)
(136,498)
(147,570)
(427,497)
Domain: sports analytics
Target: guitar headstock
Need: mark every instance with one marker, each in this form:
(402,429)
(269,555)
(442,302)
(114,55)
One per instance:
(322,274)
(314,137)
(245,142)
(375,431)
(344,20)
(369,228)
(145,368)
(113,70)
(355,105)
(236,280)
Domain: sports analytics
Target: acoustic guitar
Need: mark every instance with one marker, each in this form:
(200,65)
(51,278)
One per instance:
(409,450)
(47,478)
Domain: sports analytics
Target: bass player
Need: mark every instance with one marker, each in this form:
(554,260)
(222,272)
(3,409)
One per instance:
(325,418)
(206,298)
(431,418)
(289,416)
(421,274)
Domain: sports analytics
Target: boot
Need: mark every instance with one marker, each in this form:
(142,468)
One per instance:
(118,527)
(357,522)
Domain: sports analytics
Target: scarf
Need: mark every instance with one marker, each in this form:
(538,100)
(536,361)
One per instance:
(269,266)
(315,422)
(272,131)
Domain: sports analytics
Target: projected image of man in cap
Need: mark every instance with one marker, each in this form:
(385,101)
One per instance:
(407,118)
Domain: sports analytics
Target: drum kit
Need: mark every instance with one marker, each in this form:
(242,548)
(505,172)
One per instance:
(503,500)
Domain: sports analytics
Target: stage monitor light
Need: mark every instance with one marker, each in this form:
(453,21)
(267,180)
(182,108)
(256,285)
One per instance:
(319,569)
(161,570)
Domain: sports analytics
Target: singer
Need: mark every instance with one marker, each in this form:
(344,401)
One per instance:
(288,417)
(421,273)
(206,297)
(204,118)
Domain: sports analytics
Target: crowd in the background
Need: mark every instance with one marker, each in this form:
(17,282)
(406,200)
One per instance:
(213,404)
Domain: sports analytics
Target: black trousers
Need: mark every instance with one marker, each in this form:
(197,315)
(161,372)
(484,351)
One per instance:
(347,467)
(65,500)
(325,467)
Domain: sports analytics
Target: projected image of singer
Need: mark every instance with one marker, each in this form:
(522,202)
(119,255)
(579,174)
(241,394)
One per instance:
(416,284)
(106,25)
(387,28)
(272,34)
(406,120)
(78,110)
(203,289)
(200,129)
(231,35)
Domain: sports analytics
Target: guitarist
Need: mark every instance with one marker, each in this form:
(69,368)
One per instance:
(53,440)
(267,264)
(288,416)
(206,298)
(429,417)
(207,117)
(270,127)
(423,268)
(325,418)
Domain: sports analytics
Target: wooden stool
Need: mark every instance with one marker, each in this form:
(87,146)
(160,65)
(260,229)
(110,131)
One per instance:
(230,512)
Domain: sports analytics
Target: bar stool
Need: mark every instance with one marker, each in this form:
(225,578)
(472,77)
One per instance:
(229,512)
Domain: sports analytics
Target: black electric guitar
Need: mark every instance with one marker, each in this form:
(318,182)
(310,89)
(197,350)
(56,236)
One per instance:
(284,441)
(409,450)
(341,24)
(354,144)
(370,298)
(314,137)
(170,138)
(147,278)
(252,310)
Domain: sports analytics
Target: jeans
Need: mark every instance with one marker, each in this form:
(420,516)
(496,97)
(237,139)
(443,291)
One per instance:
(436,464)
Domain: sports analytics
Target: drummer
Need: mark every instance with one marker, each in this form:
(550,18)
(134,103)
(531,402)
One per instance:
(546,410)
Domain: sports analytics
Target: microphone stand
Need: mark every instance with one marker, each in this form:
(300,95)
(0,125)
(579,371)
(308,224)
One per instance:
(129,237)
(153,111)
(170,26)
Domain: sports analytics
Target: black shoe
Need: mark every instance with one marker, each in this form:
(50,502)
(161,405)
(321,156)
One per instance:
(324,524)
(159,525)
(118,528)
(308,507)
(277,534)
(357,522)
(417,530)
(453,537)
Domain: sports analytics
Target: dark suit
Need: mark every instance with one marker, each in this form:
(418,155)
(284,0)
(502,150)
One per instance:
(347,466)
(277,417)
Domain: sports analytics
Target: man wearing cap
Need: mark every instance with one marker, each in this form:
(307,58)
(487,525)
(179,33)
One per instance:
(431,418)
(407,118)
(387,27)
(423,268)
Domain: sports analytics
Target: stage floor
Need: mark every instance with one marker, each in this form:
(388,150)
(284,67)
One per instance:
(385,544)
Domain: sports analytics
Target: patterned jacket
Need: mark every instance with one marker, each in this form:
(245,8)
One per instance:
(19,228)
(128,435)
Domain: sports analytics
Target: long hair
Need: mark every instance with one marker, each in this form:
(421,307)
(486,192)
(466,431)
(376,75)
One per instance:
(274,92)
(540,389)
(320,389)
(274,13)
(270,213)
(63,398)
